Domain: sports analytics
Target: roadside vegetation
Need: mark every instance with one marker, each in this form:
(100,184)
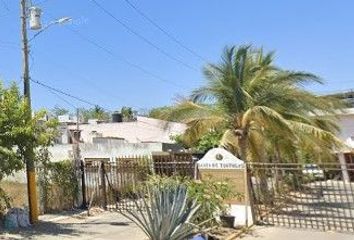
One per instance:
(16,135)
(177,208)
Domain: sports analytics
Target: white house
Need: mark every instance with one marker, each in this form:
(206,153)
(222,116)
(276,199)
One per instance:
(114,139)
(346,134)
(142,130)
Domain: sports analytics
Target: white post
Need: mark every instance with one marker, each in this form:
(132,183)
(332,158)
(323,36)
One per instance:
(343,166)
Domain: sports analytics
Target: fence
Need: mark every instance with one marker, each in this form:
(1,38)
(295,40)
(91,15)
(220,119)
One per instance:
(115,185)
(314,196)
(180,164)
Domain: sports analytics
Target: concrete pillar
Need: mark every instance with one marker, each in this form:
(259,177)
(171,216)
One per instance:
(343,166)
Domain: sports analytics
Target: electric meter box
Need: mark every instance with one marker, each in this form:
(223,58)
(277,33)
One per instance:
(35,18)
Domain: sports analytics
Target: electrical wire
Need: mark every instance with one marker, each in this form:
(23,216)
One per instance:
(41,2)
(9,45)
(14,45)
(112,54)
(91,82)
(141,37)
(5,6)
(164,31)
(120,58)
(63,99)
(63,93)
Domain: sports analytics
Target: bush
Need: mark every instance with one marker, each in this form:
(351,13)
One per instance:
(58,185)
(4,201)
(209,194)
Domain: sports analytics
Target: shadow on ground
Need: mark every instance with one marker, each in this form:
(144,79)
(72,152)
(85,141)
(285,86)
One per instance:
(48,229)
(45,228)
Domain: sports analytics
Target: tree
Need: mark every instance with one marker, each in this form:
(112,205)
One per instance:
(127,114)
(58,111)
(260,108)
(204,144)
(209,141)
(18,135)
(158,112)
(96,112)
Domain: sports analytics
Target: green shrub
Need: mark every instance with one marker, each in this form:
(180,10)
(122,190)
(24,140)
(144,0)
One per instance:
(209,194)
(58,185)
(5,201)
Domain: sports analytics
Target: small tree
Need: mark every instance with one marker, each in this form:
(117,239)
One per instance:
(96,112)
(58,111)
(18,135)
(127,113)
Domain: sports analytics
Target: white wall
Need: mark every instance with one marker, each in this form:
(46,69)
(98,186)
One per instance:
(90,150)
(142,130)
(346,124)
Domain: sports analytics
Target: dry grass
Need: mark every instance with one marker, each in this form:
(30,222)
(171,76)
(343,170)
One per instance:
(17,192)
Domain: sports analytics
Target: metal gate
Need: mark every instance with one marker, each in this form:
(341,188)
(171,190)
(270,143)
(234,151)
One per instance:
(114,185)
(117,185)
(303,195)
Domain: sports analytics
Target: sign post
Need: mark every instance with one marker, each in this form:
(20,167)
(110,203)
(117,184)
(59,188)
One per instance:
(222,165)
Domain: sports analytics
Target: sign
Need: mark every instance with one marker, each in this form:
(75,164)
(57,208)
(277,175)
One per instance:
(219,158)
(221,165)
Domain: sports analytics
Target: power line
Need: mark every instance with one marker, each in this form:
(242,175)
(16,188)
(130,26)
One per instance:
(164,31)
(89,80)
(6,7)
(63,93)
(85,78)
(119,57)
(41,2)
(4,4)
(132,31)
(63,99)
(112,54)
(9,43)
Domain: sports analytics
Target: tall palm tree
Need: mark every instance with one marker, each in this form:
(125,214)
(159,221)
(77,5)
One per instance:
(259,107)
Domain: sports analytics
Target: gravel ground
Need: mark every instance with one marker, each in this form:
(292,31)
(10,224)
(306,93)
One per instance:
(105,225)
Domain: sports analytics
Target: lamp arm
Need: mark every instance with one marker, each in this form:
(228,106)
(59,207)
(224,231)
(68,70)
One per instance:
(42,30)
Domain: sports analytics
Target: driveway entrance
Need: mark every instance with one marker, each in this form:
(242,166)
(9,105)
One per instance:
(292,196)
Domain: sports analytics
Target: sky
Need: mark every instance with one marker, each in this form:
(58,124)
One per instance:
(97,59)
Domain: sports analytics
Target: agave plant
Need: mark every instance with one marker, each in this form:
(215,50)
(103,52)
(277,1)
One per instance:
(164,213)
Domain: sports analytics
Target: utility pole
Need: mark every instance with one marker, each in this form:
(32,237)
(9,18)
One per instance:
(76,145)
(29,151)
(78,164)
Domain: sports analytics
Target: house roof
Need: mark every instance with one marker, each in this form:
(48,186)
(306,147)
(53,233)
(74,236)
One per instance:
(142,130)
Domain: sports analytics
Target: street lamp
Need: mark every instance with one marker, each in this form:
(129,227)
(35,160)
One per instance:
(62,20)
(35,24)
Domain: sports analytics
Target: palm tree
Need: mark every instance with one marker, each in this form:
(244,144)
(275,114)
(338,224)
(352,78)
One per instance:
(260,108)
